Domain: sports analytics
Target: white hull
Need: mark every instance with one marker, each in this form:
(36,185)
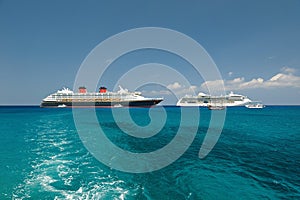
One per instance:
(207,104)
(216,107)
(257,106)
(62,106)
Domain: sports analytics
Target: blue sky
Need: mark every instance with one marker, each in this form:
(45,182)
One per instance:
(255,44)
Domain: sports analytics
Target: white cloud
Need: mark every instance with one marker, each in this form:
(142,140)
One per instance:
(190,89)
(284,79)
(158,92)
(180,89)
(174,86)
(276,77)
(212,85)
(288,70)
(236,80)
(193,87)
(254,83)
(280,80)
(230,73)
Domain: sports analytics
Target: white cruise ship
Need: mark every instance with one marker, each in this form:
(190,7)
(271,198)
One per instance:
(205,100)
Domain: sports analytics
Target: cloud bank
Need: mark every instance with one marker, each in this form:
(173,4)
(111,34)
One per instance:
(286,78)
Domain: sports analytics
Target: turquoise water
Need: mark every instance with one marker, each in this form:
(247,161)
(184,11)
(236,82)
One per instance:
(256,157)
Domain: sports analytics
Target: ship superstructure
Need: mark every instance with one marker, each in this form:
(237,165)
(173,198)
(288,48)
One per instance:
(205,100)
(103,98)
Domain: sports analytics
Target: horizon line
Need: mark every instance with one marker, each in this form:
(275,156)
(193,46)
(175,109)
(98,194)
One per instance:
(11,105)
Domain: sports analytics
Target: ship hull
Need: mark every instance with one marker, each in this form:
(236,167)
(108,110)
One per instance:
(207,104)
(138,103)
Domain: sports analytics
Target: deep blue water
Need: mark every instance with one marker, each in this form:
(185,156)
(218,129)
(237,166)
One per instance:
(256,157)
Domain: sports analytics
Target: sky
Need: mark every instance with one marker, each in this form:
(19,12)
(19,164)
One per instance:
(254,44)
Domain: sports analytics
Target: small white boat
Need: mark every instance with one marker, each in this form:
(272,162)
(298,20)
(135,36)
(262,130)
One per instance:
(61,106)
(210,107)
(216,106)
(118,106)
(256,105)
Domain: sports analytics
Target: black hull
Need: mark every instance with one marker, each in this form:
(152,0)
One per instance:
(141,103)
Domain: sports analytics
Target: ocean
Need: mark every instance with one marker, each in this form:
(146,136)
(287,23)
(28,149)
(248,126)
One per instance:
(257,156)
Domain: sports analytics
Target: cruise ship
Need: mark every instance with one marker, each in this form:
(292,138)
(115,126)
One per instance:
(205,100)
(104,98)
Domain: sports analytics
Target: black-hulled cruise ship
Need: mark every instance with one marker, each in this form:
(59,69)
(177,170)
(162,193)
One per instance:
(103,98)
